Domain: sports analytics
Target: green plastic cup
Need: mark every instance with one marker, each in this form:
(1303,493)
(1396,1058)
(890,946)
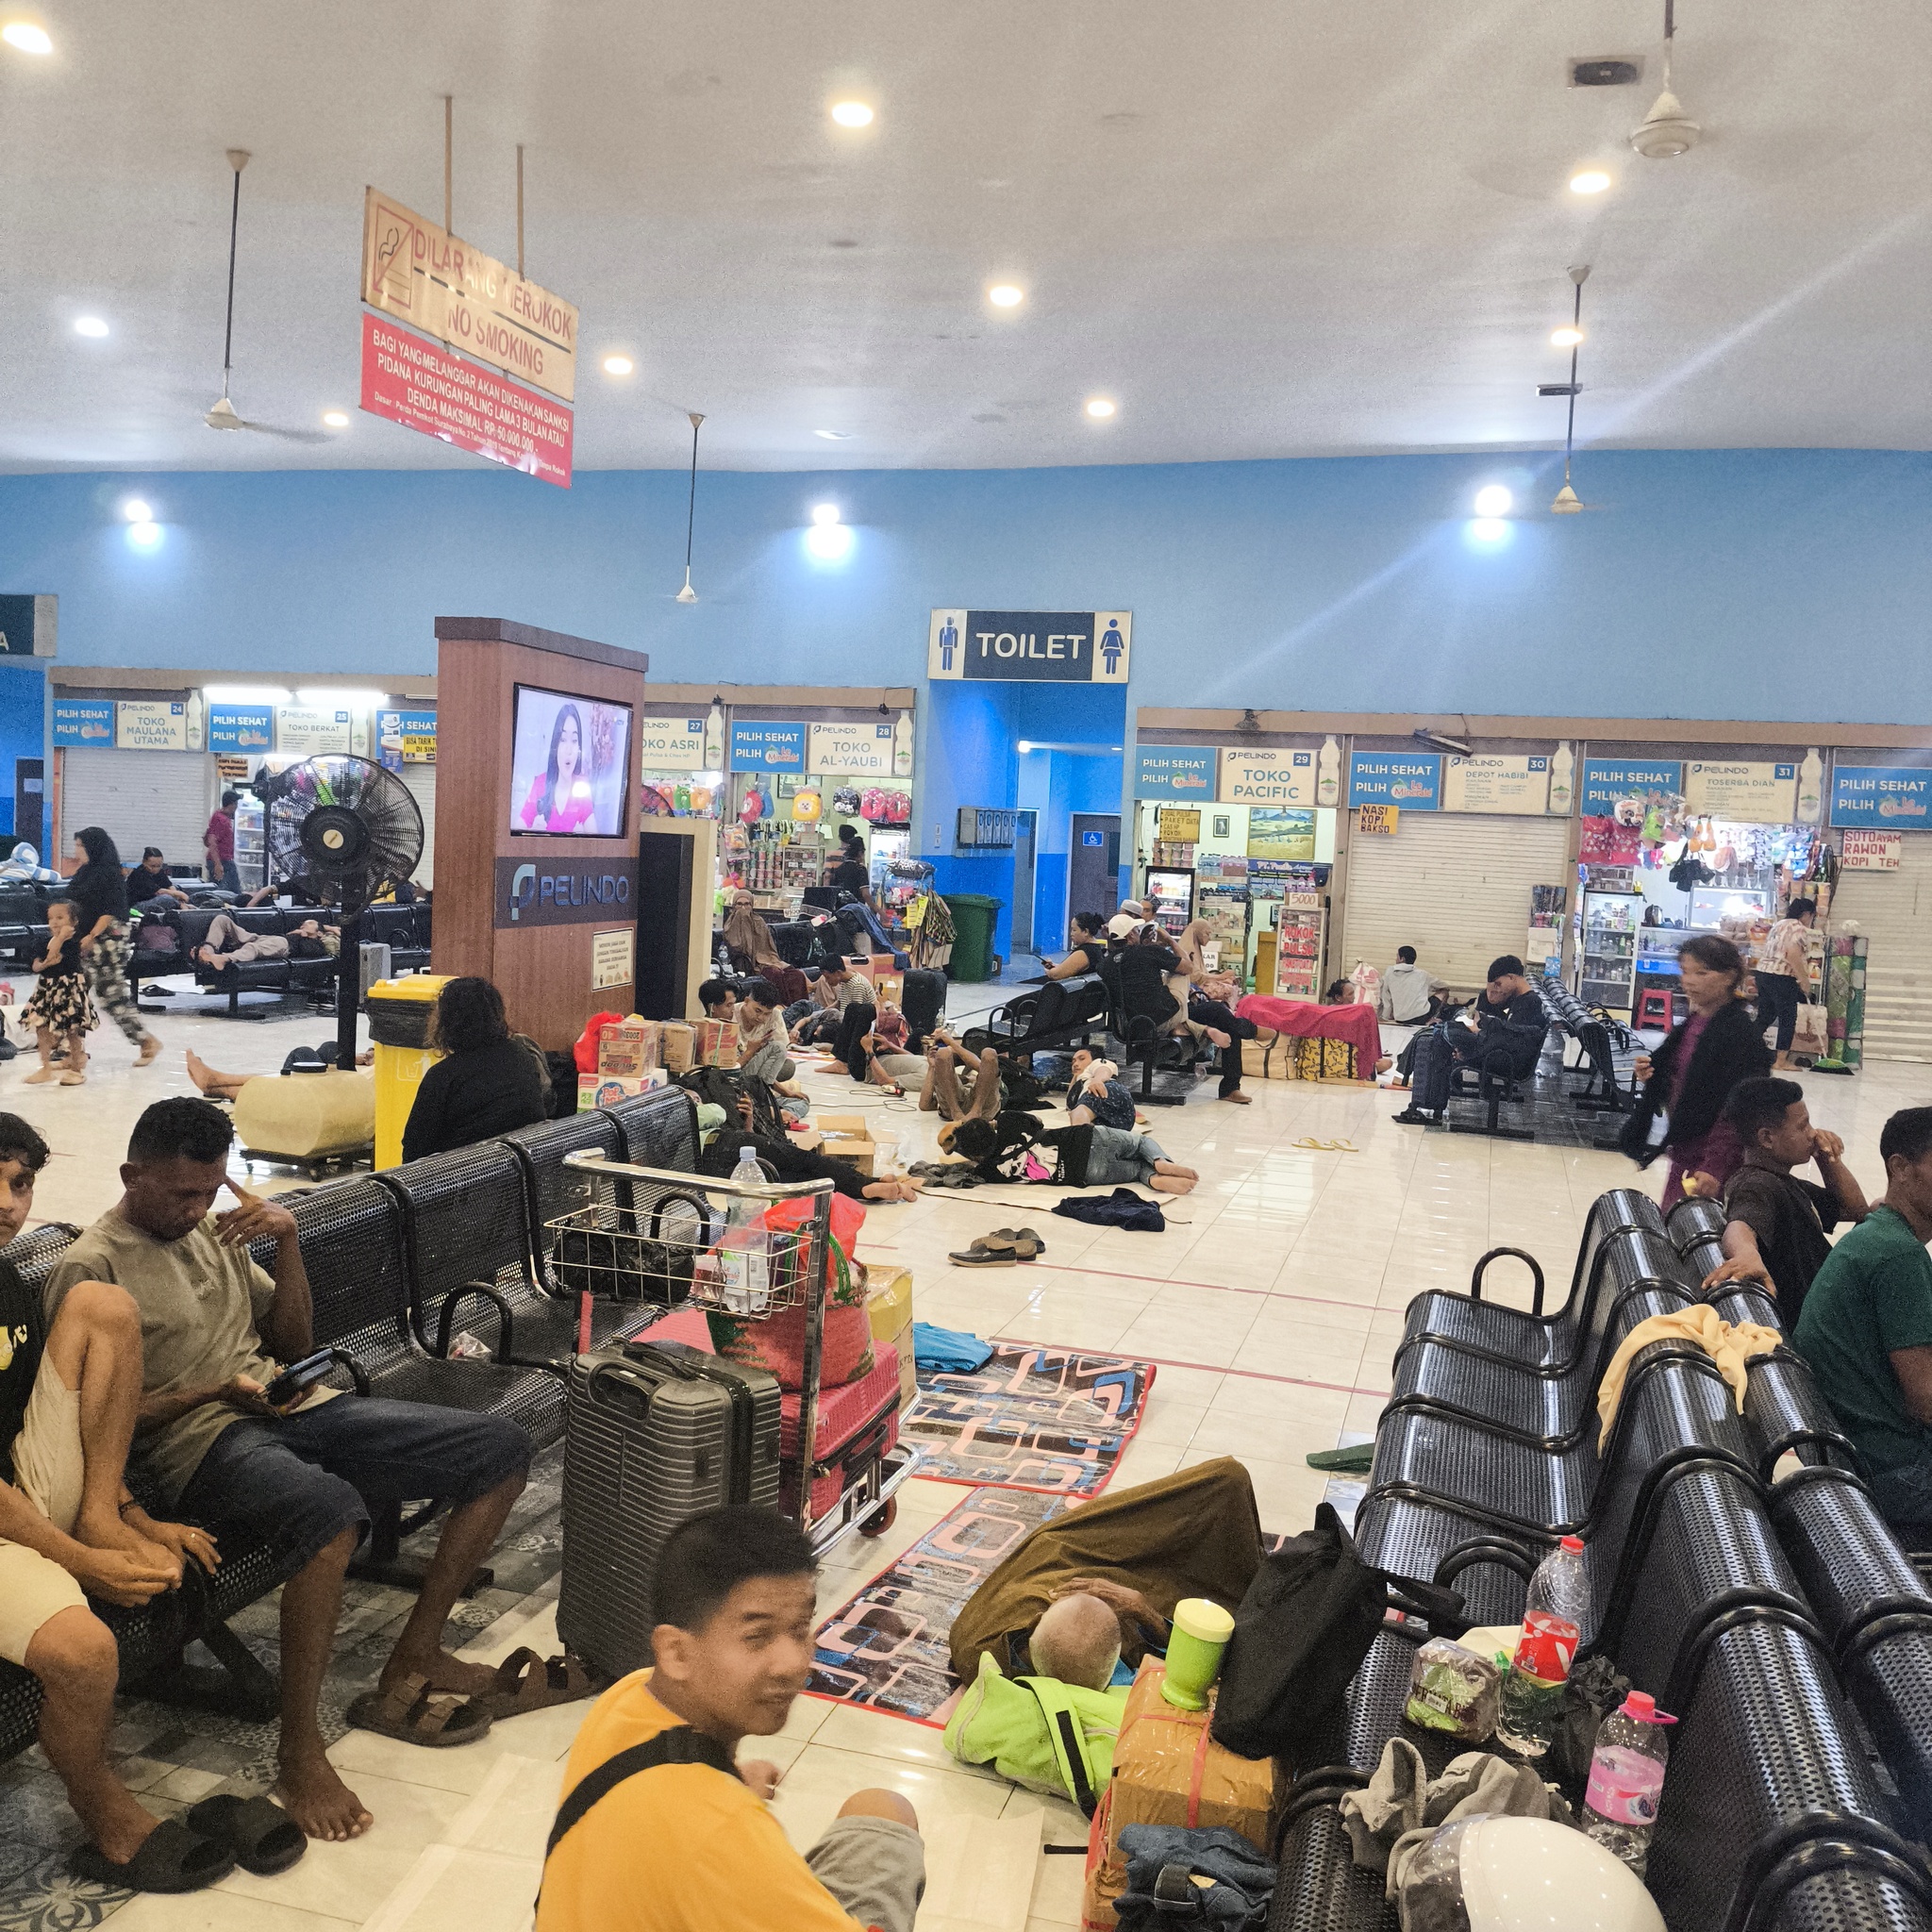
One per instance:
(1200,1634)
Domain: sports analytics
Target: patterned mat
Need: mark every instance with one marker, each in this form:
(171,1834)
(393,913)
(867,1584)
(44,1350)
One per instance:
(1047,1418)
(887,1648)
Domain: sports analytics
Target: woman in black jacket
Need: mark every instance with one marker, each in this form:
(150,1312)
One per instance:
(487,1083)
(99,891)
(1693,1073)
(1144,962)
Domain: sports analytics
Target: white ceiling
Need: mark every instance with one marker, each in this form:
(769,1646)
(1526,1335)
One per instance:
(1266,229)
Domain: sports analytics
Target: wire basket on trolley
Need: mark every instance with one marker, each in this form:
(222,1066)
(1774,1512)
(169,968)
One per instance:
(681,1249)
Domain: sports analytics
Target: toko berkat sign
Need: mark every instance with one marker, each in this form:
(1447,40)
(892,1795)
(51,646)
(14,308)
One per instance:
(424,387)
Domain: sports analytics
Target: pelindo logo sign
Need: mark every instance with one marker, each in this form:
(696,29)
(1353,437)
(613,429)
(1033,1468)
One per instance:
(564,893)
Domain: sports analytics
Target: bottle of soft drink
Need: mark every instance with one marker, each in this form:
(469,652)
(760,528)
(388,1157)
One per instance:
(1552,1628)
(744,1253)
(1626,1780)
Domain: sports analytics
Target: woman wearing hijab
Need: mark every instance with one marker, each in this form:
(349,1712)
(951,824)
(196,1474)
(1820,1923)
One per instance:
(1690,1077)
(753,951)
(99,891)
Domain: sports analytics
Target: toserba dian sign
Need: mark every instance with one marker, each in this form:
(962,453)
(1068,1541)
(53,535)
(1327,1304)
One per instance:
(434,282)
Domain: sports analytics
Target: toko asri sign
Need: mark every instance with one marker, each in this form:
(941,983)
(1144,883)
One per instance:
(1035,646)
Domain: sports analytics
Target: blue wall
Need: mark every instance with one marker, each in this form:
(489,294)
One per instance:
(1776,584)
(23,735)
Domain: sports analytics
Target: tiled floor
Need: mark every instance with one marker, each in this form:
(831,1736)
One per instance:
(1272,1306)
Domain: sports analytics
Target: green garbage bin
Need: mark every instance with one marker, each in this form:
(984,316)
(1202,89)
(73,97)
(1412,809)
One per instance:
(975,915)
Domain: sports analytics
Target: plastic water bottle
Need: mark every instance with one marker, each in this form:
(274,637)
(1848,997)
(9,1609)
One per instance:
(1552,1628)
(744,1255)
(1626,1780)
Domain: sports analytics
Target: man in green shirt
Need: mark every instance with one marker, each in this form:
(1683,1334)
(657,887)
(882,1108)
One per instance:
(1867,1331)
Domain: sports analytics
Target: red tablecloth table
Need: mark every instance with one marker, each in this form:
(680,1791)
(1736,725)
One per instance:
(1309,1020)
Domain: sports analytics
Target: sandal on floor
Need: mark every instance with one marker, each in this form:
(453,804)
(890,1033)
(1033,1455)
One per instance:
(985,1252)
(170,1858)
(1339,1145)
(1356,1459)
(264,1838)
(526,1682)
(414,1714)
(1026,1241)
(1313,1145)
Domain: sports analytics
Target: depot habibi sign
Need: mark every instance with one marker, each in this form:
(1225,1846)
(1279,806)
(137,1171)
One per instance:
(1515,786)
(1034,646)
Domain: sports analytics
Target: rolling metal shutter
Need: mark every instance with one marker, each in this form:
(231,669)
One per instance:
(139,798)
(421,779)
(1454,886)
(1893,909)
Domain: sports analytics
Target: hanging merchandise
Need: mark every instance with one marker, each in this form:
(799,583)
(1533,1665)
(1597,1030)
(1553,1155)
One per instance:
(1691,871)
(753,809)
(872,805)
(845,799)
(807,807)
(1610,841)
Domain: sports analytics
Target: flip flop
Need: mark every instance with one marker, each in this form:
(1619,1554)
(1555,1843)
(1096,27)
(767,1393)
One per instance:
(170,1858)
(1313,1146)
(1355,1461)
(1340,1145)
(263,1838)
(414,1714)
(526,1682)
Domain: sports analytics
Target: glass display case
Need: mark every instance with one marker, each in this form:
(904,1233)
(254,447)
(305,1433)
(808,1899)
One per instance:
(1608,961)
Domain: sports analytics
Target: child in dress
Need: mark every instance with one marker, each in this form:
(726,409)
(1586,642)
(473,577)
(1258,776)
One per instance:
(61,1008)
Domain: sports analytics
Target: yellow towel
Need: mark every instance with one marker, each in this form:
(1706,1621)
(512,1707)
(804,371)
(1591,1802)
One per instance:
(1728,1347)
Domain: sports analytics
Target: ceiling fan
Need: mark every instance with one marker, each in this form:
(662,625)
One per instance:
(224,415)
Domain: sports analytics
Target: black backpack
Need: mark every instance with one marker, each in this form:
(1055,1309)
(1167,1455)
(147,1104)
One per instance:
(713,1087)
(1303,1629)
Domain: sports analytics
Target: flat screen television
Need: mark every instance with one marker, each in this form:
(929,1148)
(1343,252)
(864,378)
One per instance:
(570,765)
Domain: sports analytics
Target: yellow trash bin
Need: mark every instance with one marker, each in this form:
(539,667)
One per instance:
(399,1014)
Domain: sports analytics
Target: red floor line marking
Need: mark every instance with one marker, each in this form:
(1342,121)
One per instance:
(1162,1361)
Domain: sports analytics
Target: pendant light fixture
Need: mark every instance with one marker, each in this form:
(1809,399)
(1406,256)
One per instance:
(1567,503)
(1665,131)
(688,596)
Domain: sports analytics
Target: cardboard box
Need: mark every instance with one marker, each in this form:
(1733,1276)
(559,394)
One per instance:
(677,1046)
(889,986)
(630,1050)
(847,1136)
(607,1090)
(717,1043)
(889,1301)
(1161,1775)
(1106,1877)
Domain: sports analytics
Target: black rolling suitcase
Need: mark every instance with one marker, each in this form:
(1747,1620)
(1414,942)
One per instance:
(923,1000)
(656,1433)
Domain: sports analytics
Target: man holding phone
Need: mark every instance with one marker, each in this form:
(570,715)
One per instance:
(307,1474)
(1503,1029)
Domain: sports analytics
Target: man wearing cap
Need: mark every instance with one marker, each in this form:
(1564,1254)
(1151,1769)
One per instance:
(1504,1030)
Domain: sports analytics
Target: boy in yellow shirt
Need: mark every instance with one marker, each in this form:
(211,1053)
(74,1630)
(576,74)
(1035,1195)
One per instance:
(659,1831)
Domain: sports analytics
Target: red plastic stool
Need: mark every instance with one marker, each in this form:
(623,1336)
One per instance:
(1653,1008)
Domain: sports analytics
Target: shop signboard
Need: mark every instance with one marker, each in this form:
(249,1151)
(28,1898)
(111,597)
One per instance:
(761,746)
(83,721)
(1896,795)
(1748,794)
(1182,772)
(1864,851)
(671,744)
(1517,786)
(436,282)
(1050,646)
(1261,776)
(1607,780)
(422,386)
(1276,832)
(405,737)
(309,731)
(1178,825)
(859,748)
(1411,779)
(241,728)
(1378,821)
(151,725)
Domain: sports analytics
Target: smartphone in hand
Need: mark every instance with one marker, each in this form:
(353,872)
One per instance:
(297,1379)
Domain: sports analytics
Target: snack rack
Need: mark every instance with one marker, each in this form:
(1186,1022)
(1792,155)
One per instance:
(659,1237)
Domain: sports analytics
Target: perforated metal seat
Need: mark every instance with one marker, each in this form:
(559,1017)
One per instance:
(660,1129)
(550,1188)
(1696,1229)
(1532,1339)
(1784,1411)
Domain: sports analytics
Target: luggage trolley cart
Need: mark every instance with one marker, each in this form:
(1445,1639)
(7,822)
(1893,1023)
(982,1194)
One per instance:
(659,1236)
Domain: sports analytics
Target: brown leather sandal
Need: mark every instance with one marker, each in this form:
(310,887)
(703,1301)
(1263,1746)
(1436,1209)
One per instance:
(526,1682)
(415,1714)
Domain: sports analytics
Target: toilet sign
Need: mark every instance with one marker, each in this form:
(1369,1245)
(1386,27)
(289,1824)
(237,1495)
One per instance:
(1034,646)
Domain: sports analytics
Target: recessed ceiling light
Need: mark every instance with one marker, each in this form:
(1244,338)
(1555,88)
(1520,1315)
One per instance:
(1004,295)
(824,513)
(1099,409)
(28,38)
(89,325)
(335,419)
(145,536)
(1591,181)
(1495,500)
(136,512)
(833,435)
(618,365)
(1566,338)
(852,114)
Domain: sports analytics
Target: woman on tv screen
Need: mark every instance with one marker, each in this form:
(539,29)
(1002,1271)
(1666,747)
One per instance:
(560,799)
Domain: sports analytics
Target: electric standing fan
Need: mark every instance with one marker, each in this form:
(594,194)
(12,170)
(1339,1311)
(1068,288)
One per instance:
(343,828)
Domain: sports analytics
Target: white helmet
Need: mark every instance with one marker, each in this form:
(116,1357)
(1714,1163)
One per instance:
(1523,1875)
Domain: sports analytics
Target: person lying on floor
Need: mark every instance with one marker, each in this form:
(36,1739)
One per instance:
(1098,1095)
(790,1162)
(888,1049)
(220,1086)
(1082,1155)
(959,1084)
(1132,1555)
(682,1838)
(69,1529)
(310,1476)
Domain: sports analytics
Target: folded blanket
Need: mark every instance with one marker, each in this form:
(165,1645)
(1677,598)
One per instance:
(1729,1347)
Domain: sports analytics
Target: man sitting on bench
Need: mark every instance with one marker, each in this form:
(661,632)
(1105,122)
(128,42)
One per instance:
(309,1474)
(68,1396)
(660,1826)
(1502,1034)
